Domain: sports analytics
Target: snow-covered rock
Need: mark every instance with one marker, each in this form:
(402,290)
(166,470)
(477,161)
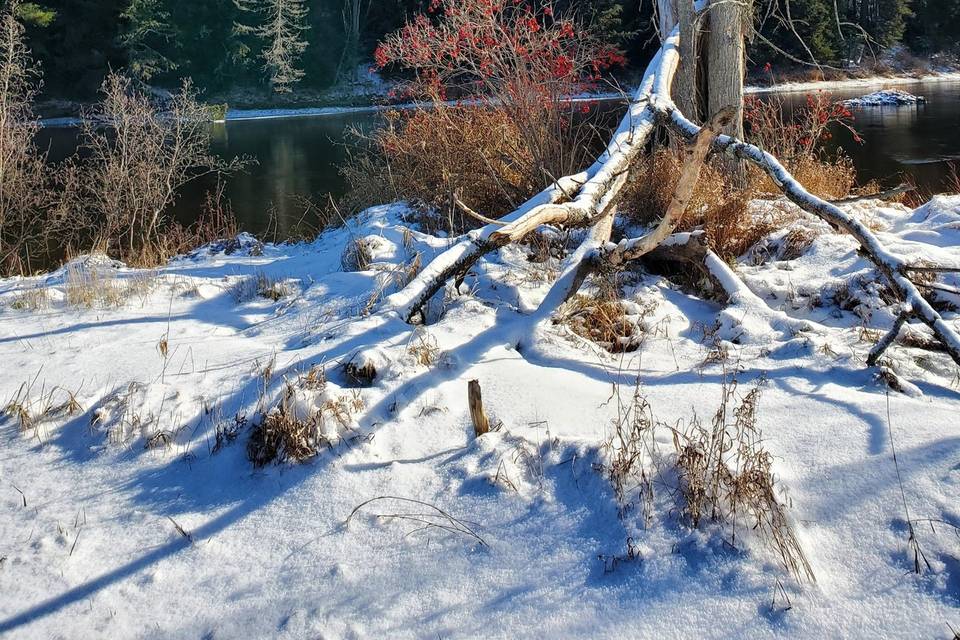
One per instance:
(885,98)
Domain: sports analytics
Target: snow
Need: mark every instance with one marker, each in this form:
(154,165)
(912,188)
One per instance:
(885,98)
(854,83)
(92,546)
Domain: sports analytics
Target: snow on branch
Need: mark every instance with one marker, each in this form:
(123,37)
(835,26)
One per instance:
(594,191)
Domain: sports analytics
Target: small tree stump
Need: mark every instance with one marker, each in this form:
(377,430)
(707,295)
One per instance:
(481,424)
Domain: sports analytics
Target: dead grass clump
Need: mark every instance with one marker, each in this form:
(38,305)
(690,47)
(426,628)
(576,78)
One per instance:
(360,370)
(796,242)
(721,202)
(616,325)
(545,245)
(725,475)
(828,179)
(423,348)
(721,199)
(284,435)
(30,407)
(357,256)
(632,449)
(31,299)
(227,431)
(260,285)
(90,286)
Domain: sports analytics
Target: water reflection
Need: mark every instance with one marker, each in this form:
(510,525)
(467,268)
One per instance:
(916,142)
(299,158)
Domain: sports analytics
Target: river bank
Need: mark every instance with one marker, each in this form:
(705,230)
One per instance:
(318,104)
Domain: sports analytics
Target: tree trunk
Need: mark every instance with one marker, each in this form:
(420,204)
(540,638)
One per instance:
(727,55)
(685,82)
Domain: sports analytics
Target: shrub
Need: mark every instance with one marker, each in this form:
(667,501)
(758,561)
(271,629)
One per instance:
(140,154)
(515,64)
(426,156)
(25,195)
(721,201)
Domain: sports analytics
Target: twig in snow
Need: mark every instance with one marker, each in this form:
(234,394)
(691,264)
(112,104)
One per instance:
(912,541)
(183,532)
(22,496)
(437,518)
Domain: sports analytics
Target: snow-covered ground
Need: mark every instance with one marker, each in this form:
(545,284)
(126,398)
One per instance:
(124,515)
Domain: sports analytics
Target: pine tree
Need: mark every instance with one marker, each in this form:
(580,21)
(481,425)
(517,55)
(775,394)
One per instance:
(935,25)
(149,39)
(281,30)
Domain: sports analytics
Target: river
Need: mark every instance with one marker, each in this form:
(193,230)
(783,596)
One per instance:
(299,157)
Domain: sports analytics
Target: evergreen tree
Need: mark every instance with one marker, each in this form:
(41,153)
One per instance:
(149,39)
(31,13)
(280,29)
(935,25)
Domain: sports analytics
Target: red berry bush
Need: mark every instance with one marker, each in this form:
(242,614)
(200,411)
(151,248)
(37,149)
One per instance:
(497,77)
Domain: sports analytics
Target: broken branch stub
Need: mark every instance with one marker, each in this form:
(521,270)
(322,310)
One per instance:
(481,424)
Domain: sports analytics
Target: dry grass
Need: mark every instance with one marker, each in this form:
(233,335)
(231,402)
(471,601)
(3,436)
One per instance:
(726,476)
(91,287)
(796,242)
(260,285)
(720,204)
(426,156)
(723,473)
(423,348)
(616,325)
(32,299)
(425,517)
(357,256)
(283,436)
(30,406)
(633,452)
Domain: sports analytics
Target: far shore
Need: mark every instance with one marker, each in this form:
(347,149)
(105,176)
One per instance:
(240,115)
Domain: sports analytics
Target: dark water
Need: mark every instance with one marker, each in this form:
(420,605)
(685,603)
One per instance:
(299,157)
(920,143)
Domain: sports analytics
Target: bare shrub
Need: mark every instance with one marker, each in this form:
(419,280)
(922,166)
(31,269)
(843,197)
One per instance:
(25,193)
(140,154)
(429,155)
(726,476)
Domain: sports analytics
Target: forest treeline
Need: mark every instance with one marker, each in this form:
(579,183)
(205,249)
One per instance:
(278,44)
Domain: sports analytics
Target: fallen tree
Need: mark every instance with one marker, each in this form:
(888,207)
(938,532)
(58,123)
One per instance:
(589,200)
